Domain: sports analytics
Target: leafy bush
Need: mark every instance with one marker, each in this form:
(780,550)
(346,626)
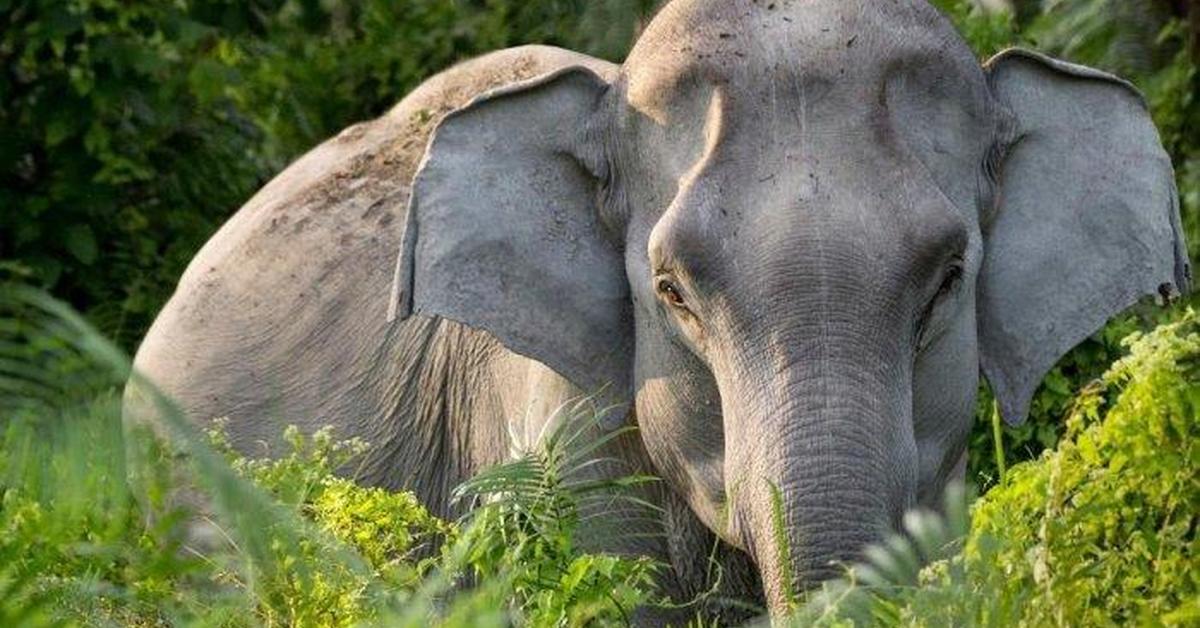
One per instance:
(1100,531)
(75,534)
(1104,528)
(392,531)
(1149,44)
(119,154)
(536,506)
(93,535)
(130,131)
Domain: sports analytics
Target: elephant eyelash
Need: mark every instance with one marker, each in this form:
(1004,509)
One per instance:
(685,326)
(670,293)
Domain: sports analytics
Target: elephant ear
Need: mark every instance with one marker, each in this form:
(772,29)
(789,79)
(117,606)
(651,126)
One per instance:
(1085,223)
(502,232)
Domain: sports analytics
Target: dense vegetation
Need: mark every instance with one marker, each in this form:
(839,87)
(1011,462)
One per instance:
(129,131)
(1100,530)
(1156,45)
(100,525)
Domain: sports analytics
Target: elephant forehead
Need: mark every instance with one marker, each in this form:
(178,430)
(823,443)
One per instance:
(759,45)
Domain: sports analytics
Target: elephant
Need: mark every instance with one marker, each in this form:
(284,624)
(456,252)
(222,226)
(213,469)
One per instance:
(783,239)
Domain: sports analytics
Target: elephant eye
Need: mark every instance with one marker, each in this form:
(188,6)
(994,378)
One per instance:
(950,281)
(670,292)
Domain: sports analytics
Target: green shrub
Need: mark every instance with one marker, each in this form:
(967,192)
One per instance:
(130,131)
(91,535)
(73,532)
(1103,529)
(1150,44)
(392,532)
(525,531)
(1099,531)
(119,153)
(386,531)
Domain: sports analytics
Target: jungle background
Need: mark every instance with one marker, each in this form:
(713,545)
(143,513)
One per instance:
(129,131)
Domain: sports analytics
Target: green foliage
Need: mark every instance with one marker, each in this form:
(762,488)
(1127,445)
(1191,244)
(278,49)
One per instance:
(1146,43)
(96,526)
(1054,398)
(389,530)
(988,32)
(117,157)
(130,131)
(392,533)
(97,530)
(1100,531)
(535,506)
(1104,528)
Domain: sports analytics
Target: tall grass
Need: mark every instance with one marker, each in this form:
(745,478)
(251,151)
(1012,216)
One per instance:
(93,529)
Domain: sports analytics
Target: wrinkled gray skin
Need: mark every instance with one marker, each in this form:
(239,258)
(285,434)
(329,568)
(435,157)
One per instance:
(785,236)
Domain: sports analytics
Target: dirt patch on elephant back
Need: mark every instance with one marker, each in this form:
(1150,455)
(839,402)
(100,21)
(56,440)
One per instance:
(376,160)
(386,152)
(417,115)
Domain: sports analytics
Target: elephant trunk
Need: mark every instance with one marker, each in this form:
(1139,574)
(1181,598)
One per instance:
(823,463)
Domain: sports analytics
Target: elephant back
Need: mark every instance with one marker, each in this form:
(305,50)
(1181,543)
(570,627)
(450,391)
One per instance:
(281,317)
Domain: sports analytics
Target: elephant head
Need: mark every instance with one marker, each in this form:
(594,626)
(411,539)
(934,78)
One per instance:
(787,236)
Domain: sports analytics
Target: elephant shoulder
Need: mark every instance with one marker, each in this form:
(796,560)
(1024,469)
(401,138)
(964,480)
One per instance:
(284,308)
(333,216)
(347,194)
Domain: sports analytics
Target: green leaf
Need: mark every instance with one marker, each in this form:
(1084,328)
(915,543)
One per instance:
(81,243)
(57,130)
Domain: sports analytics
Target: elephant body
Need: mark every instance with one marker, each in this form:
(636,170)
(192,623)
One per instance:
(781,239)
(282,314)
(281,319)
